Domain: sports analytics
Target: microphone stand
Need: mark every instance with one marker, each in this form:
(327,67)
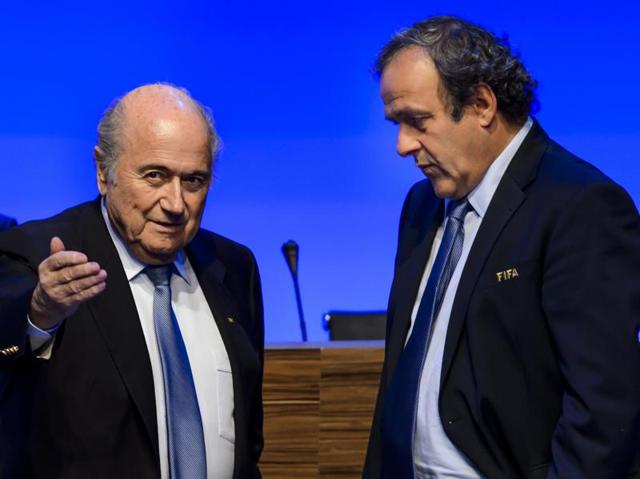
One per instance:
(303,324)
(290,251)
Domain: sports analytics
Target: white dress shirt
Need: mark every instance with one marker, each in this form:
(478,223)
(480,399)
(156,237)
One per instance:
(435,456)
(207,354)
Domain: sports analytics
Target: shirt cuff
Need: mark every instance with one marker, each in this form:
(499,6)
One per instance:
(38,339)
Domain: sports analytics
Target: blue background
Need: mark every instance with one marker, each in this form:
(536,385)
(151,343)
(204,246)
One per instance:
(307,154)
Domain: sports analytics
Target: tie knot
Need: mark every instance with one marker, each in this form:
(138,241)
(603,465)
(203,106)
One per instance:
(458,209)
(159,275)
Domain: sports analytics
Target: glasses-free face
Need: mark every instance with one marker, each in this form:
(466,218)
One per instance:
(157,195)
(452,154)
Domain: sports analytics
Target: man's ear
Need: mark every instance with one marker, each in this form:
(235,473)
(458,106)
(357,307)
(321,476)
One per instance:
(101,171)
(485,104)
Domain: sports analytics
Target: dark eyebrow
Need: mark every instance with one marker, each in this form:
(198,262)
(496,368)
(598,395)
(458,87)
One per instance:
(402,115)
(204,174)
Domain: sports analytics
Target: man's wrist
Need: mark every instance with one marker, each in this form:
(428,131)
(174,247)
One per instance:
(41,340)
(33,325)
(38,314)
(43,325)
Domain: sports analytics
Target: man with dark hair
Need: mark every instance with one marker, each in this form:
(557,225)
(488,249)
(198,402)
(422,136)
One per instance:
(512,335)
(6,222)
(131,340)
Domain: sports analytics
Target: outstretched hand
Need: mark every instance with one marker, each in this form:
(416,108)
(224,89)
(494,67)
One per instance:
(65,280)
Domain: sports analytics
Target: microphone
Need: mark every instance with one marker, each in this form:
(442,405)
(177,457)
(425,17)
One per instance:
(290,252)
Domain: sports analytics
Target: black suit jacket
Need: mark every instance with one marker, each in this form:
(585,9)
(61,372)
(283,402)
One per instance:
(6,222)
(89,411)
(541,372)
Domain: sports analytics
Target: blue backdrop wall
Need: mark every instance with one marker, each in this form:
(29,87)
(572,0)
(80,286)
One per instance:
(307,154)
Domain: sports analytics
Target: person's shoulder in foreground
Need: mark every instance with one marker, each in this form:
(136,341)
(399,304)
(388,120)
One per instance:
(131,340)
(530,366)
(6,222)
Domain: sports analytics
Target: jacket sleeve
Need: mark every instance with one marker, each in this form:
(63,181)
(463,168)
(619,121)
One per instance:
(17,282)
(373,461)
(591,297)
(255,288)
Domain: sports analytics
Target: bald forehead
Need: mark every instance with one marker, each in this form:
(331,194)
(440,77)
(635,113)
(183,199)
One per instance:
(155,103)
(162,118)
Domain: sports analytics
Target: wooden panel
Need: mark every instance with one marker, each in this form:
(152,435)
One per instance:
(291,398)
(348,389)
(318,406)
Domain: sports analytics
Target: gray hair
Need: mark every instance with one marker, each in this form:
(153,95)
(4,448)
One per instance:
(110,131)
(466,55)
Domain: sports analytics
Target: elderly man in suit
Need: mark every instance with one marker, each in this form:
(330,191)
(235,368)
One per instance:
(131,340)
(512,339)
(6,222)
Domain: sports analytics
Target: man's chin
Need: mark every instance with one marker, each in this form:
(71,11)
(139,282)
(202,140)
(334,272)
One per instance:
(442,190)
(156,254)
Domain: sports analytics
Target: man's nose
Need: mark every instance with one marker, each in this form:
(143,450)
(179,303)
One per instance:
(407,143)
(172,200)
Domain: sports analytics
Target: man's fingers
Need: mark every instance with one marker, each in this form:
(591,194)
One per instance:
(50,305)
(89,293)
(66,293)
(62,259)
(56,245)
(66,278)
(80,285)
(73,273)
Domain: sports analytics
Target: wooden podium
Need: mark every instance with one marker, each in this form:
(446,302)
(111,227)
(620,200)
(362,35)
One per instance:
(318,405)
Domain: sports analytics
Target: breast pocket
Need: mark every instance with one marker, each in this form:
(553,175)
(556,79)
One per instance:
(226,422)
(506,294)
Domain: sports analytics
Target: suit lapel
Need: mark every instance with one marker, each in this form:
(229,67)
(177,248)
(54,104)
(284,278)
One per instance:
(117,319)
(508,197)
(413,258)
(211,273)
(116,316)
(229,316)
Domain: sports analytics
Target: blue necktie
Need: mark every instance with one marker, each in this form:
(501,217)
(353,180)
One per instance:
(185,436)
(401,396)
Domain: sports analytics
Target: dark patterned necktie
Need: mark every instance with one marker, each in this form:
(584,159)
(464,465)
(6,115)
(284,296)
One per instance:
(401,396)
(187,459)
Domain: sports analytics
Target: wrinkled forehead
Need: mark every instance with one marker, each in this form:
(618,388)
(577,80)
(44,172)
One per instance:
(409,77)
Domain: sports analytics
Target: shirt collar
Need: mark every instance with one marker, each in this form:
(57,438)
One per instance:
(481,195)
(132,265)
